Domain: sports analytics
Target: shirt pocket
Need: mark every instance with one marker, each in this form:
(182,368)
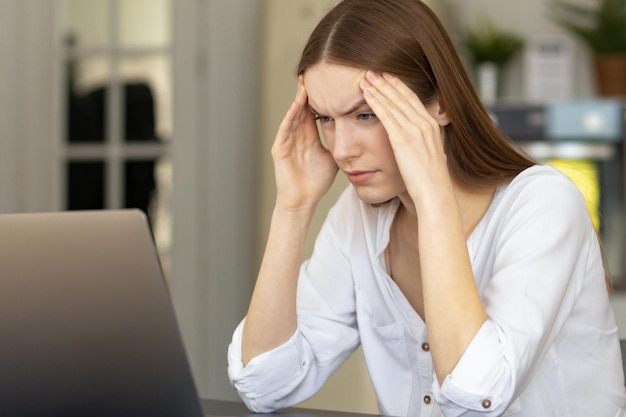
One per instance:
(393,332)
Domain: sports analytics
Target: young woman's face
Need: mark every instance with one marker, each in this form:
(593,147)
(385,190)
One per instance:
(353,134)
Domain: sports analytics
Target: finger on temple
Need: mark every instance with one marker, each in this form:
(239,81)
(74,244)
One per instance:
(402,93)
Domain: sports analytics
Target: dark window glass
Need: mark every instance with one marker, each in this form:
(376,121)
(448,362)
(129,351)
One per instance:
(85,185)
(139,184)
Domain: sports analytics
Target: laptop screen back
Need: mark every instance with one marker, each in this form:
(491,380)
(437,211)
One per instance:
(86,323)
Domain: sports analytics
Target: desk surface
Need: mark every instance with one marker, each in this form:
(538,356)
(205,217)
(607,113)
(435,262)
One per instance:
(238,409)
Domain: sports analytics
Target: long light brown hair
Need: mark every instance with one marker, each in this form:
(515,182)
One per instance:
(405,38)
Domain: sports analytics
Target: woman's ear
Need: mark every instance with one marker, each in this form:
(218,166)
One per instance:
(439,113)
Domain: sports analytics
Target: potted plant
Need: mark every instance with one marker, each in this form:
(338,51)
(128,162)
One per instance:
(490,49)
(603,29)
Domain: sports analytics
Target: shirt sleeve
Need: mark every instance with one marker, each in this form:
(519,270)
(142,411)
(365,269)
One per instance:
(542,253)
(326,335)
(262,384)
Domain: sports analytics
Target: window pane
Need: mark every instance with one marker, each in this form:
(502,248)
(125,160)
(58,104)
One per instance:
(86,99)
(87,22)
(139,184)
(148,97)
(144,23)
(85,185)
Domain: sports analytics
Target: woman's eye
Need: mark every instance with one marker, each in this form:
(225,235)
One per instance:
(323,119)
(366,116)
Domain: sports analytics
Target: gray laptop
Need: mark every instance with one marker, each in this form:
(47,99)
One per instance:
(86,323)
(87,328)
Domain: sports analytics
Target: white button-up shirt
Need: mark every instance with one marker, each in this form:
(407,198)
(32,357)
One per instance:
(549,346)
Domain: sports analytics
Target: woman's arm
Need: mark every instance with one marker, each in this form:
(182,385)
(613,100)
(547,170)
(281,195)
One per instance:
(271,317)
(326,332)
(454,310)
(304,172)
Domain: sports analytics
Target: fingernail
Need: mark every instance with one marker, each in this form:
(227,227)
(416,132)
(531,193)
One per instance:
(373,75)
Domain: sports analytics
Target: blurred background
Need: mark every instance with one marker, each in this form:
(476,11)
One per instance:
(172,106)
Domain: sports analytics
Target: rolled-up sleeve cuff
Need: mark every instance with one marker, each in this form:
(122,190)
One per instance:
(261,377)
(481,380)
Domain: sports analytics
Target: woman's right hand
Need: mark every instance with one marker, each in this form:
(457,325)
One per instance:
(304,169)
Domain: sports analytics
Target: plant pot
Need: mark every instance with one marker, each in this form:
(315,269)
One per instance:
(611,75)
(488,76)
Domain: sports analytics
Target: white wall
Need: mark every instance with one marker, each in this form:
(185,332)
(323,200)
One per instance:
(216,96)
(28,123)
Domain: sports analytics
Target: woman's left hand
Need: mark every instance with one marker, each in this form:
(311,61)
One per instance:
(414,134)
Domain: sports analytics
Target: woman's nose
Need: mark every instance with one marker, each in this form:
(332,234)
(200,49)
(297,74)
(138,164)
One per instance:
(345,146)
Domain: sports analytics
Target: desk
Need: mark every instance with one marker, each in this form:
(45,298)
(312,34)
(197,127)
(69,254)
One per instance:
(215,408)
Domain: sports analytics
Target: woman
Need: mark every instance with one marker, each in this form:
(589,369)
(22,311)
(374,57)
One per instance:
(471,276)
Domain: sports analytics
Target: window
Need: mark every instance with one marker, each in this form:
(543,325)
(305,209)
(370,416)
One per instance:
(118,123)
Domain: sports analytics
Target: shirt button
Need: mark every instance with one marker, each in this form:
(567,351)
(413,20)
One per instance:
(427,399)
(486,403)
(425,347)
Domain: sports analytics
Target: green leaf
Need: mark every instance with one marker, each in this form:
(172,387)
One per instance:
(602,28)
(486,43)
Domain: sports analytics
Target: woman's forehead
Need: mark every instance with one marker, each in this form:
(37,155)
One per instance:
(334,88)
(327,71)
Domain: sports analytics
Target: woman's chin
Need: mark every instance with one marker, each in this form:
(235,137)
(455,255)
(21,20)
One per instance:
(373,199)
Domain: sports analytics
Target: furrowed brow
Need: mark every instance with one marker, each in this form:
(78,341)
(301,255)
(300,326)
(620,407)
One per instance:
(355,107)
(351,110)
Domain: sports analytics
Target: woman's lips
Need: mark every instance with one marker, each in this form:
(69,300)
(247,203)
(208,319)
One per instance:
(359,177)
